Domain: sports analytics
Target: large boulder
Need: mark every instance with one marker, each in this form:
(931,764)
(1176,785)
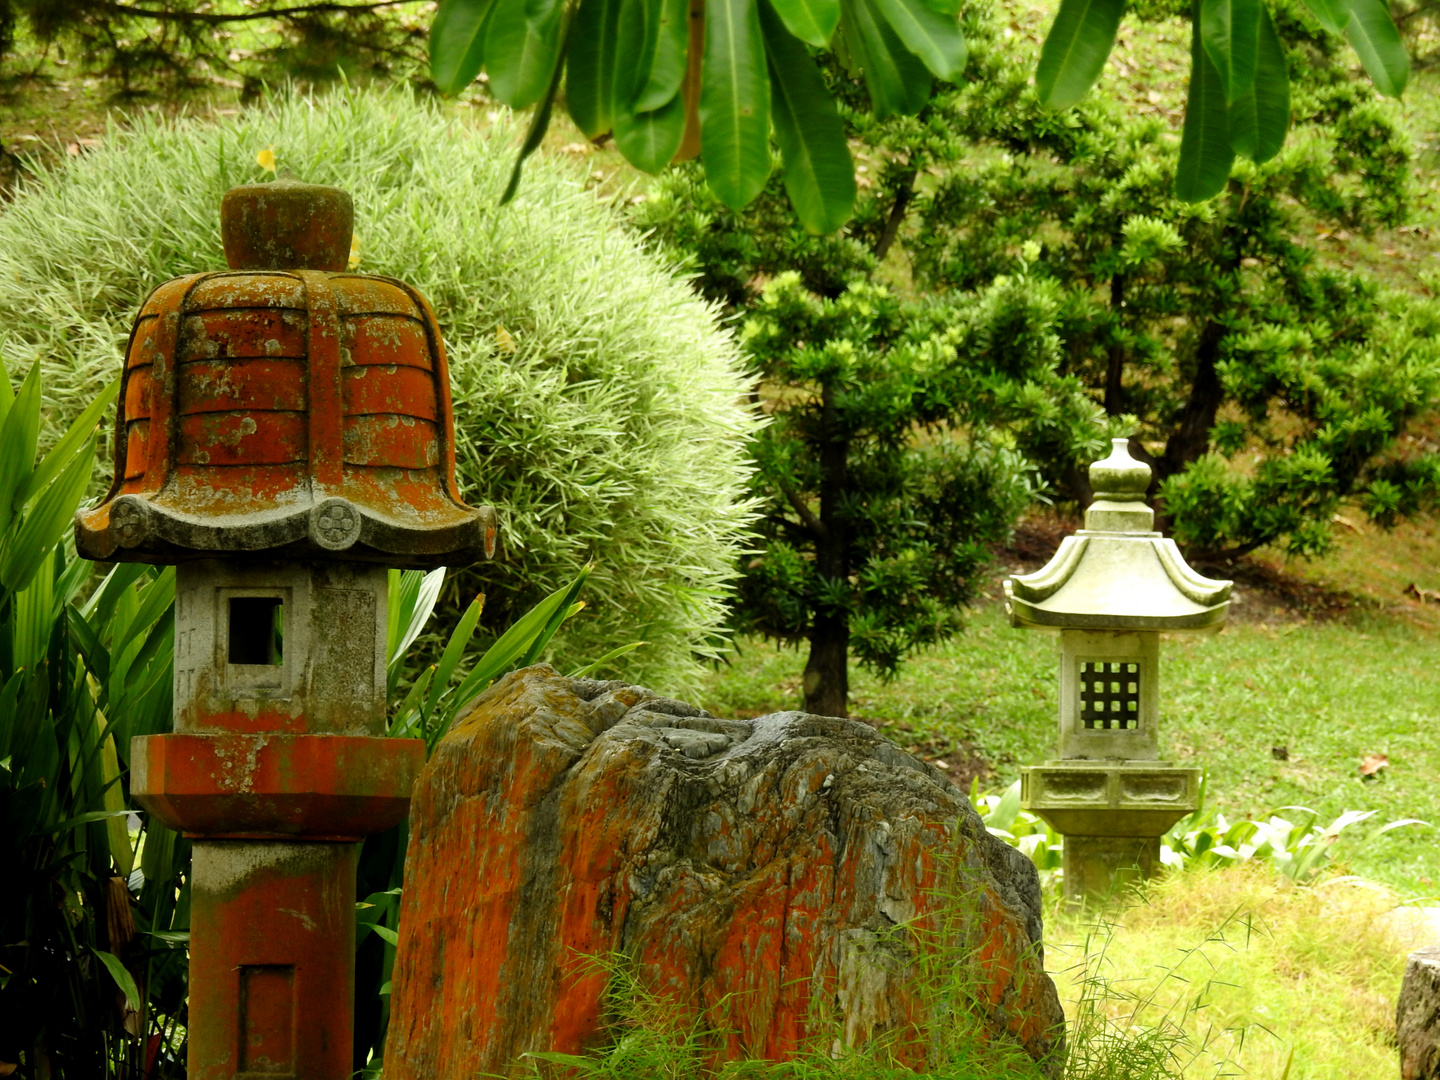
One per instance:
(780,874)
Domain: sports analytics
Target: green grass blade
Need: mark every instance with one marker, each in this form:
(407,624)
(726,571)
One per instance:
(819,173)
(454,649)
(934,38)
(457,43)
(1230,33)
(735,103)
(1260,119)
(1075,49)
(812,21)
(1373,35)
(615,654)
(1205,153)
(649,139)
(70,444)
(44,525)
(523,44)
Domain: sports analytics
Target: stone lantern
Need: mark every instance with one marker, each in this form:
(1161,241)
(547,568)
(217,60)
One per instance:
(1110,591)
(284,435)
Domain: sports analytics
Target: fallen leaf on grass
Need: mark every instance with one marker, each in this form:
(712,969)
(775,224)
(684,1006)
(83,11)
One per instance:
(1371,764)
(1423,595)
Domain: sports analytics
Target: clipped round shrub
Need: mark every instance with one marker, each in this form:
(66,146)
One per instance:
(597,404)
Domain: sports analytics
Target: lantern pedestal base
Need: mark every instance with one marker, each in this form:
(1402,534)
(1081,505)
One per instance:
(1112,815)
(1099,867)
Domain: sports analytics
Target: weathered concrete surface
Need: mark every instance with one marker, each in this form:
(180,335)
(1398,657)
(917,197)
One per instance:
(757,869)
(1417,1016)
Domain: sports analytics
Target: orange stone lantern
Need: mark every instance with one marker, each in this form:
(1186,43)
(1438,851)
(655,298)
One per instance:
(285,434)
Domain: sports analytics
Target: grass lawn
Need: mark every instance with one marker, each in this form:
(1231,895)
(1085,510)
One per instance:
(1281,710)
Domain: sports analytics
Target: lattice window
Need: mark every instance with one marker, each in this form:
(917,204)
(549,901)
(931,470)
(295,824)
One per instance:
(1109,695)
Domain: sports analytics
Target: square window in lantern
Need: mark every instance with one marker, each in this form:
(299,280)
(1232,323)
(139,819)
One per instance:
(1109,692)
(256,631)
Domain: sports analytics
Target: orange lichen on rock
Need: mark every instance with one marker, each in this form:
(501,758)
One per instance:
(786,875)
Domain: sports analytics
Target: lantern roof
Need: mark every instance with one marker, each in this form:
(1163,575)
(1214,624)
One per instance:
(1117,573)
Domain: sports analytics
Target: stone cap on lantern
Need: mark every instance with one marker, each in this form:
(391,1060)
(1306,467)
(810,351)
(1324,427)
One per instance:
(1117,573)
(286,409)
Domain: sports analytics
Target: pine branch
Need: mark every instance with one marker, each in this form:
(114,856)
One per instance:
(812,523)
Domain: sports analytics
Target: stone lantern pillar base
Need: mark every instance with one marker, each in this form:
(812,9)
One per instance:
(1112,815)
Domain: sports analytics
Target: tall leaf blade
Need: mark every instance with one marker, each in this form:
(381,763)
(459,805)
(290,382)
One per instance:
(1259,120)
(457,43)
(1372,34)
(523,45)
(735,103)
(44,524)
(590,70)
(649,139)
(1075,50)
(18,437)
(70,443)
(1205,152)
(819,173)
(934,38)
(666,70)
(1230,32)
(812,21)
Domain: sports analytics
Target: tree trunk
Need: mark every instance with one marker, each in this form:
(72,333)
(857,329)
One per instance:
(1192,438)
(827,681)
(1115,370)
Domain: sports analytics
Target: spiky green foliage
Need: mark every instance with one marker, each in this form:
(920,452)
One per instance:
(597,405)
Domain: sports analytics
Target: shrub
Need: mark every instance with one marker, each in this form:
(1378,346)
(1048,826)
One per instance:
(596,402)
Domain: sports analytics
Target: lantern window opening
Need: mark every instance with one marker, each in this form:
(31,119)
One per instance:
(256,632)
(1109,695)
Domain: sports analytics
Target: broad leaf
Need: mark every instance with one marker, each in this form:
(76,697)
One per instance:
(590,72)
(1075,50)
(540,118)
(69,445)
(1205,153)
(45,522)
(523,46)
(1331,14)
(18,437)
(123,978)
(1229,30)
(1372,34)
(457,43)
(649,139)
(898,81)
(934,38)
(734,103)
(812,21)
(1260,118)
(665,68)
(819,173)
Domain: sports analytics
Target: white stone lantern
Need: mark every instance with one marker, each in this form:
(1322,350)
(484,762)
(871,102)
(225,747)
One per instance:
(1110,591)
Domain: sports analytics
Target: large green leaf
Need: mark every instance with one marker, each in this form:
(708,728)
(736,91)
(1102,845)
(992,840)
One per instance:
(71,443)
(522,46)
(649,139)
(1372,34)
(812,21)
(1075,50)
(665,69)
(819,173)
(1205,152)
(590,71)
(1260,118)
(1229,30)
(897,80)
(934,38)
(457,43)
(46,522)
(18,437)
(1331,14)
(735,103)
(540,118)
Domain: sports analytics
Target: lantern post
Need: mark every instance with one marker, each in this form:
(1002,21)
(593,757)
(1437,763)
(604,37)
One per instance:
(284,436)
(1110,590)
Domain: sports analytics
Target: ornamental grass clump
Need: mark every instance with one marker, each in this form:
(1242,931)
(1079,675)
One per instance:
(597,405)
